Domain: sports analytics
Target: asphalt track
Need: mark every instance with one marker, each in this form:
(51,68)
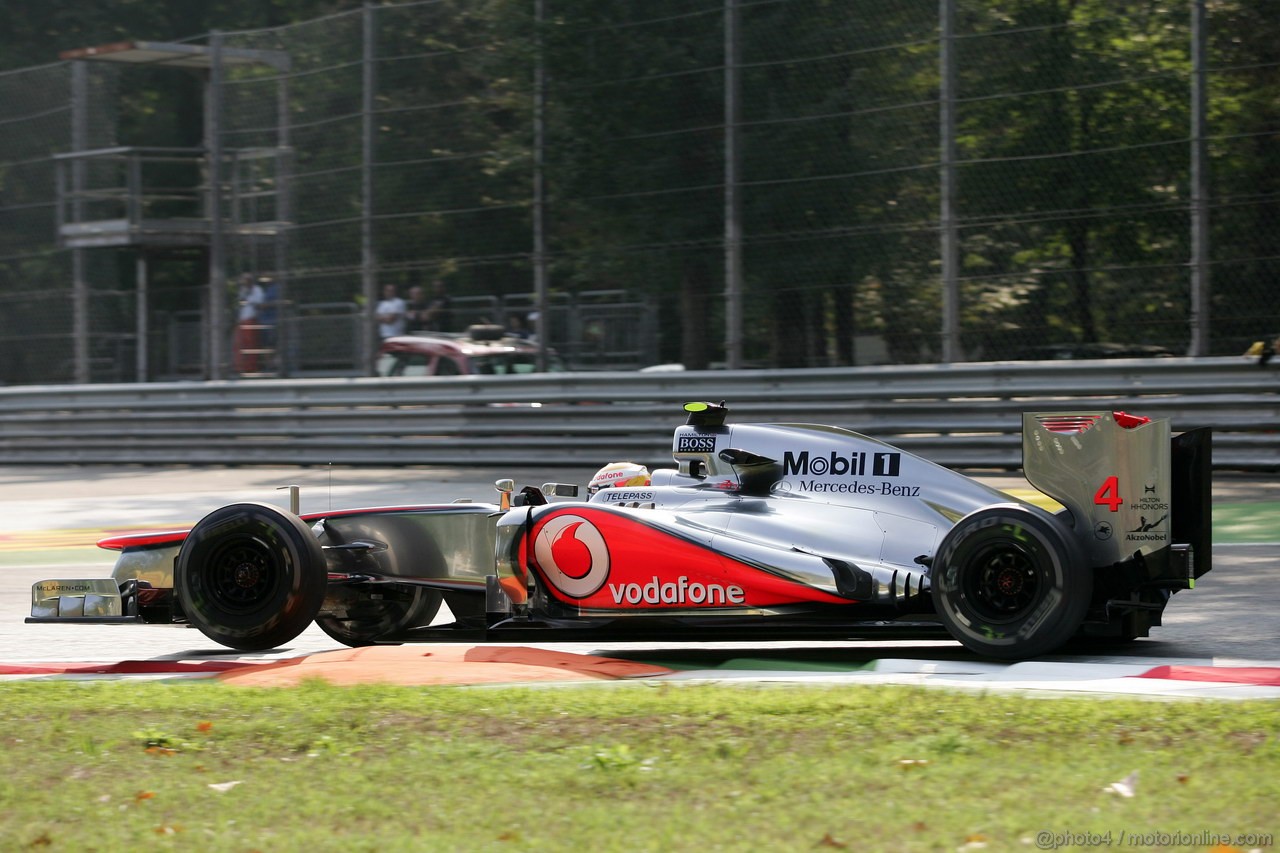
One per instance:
(1221,639)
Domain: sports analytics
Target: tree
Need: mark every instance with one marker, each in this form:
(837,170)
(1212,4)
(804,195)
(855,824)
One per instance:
(1076,188)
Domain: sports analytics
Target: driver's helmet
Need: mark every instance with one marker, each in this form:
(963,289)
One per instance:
(617,474)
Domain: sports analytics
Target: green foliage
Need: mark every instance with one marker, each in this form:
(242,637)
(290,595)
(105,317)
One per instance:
(1072,141)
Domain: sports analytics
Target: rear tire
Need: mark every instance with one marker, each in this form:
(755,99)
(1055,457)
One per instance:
(1010,583)
(250,576)
(368,619)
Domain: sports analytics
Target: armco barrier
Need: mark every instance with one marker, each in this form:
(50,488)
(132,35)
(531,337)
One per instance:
(961,415)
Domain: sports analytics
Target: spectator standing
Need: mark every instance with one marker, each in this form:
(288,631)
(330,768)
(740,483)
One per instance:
(517,327)
(269,313)
(438,317)
(1263,351)
(415,311)
(391,313)
(250,297)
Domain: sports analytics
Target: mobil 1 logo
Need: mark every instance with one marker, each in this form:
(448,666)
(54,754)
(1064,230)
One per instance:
(844,472)
(803,464)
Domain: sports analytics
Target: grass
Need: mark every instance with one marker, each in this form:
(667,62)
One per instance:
(1247,522)
(192,765)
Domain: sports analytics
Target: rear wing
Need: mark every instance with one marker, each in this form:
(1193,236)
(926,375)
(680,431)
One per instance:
(1192,467)
(1132,489)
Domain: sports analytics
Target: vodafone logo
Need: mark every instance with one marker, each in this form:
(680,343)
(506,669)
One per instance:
(572,553)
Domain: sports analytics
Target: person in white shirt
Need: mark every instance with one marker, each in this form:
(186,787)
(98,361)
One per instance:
(250,297)
(391,313)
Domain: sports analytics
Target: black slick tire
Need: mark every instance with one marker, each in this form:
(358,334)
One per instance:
(1010,583)
(250,576)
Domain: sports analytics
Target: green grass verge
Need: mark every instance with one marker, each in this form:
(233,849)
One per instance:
(112,766)
(1247,522)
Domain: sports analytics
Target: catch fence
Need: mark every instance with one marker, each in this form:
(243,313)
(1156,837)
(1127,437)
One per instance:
(758,183)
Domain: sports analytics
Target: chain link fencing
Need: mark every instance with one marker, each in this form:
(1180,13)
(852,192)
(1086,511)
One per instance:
(711,182)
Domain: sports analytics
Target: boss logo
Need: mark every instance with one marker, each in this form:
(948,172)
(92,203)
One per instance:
(696,444)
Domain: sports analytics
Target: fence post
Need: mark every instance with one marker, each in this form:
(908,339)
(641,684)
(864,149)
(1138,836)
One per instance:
(79,275)
(1200,305)
(284,215)
(368,258)
(542,326)
(142,307)
(217,297)
(732,194)
(947,143)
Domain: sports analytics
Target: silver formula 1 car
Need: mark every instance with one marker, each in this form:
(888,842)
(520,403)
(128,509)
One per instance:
(761,531)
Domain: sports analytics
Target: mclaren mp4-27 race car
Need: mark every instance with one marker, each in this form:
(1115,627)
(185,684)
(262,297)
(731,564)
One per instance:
(760,532)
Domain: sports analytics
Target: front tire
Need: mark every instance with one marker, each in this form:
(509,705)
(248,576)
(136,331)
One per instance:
(250,576)
(1010,583)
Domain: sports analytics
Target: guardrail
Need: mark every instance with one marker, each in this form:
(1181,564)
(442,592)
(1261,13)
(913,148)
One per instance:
(960,415)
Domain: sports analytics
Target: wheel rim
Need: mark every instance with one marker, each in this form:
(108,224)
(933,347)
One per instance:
(243,574)
(1004,583)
